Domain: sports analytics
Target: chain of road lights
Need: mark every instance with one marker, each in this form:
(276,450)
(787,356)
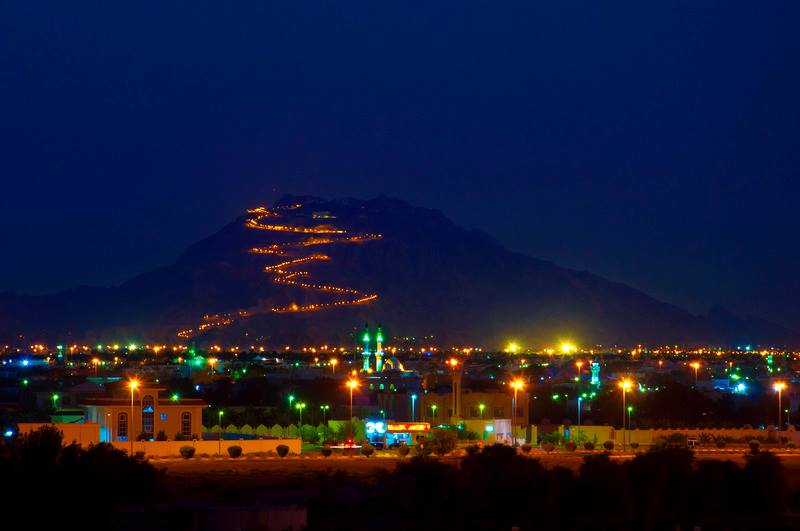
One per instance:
(283,277)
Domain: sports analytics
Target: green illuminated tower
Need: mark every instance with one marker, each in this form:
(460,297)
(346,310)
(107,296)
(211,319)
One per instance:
(365,352)
(378,350)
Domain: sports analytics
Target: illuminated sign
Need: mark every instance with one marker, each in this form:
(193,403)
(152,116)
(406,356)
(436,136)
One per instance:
(375,427)
(395,427)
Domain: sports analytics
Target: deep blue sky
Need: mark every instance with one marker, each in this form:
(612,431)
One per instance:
(654,145)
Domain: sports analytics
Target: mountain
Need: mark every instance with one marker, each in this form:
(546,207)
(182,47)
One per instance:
(309,269)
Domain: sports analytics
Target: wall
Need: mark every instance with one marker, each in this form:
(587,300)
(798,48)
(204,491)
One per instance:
(167,448)
(84,433)
(600,434)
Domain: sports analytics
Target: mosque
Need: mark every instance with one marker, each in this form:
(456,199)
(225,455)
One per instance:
(382,362)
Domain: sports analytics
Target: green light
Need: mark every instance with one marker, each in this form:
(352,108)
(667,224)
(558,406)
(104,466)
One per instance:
(60,347)
(379,338)
(366,338)
(99,347)
(25,381)
(555,397)
(132,346)
(175,397)
(630,408)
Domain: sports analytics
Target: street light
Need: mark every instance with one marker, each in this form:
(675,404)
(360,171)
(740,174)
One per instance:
(413,408)
(383,415)
(626,385)
(133,384)
(55,398)
(324,408)
(578,365)
(219,440)
(300,406)
(695,365)
(334,361)
(779,387)
(291,399)
(481,407)
(352,384)
(516,385)
(630,410)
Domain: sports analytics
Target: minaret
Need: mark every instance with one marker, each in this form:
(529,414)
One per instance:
(365,352)
(595,368)
(378,350)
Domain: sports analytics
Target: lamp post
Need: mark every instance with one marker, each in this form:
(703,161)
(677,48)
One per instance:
(516,385)
(578,365)
(351,384)
(481,407)
(133,384)
(300,406)
(383,414)
(55,398)
(324,408)
(626,385)
(695,365)
(108,428)
(291,399)
(219,440)
(433,409)
(580,397)
(779,387)
(630,410)
(413,407)
(334,361)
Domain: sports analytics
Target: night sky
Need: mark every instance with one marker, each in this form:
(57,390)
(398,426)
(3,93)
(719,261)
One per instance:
(654,145)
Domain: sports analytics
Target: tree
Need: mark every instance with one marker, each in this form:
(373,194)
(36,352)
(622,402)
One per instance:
(262,431)
(277,431)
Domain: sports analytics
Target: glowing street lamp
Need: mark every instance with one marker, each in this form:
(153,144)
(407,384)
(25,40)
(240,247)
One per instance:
(434,407)
(626,385)
(696,366)
(133,384)
(291,399)
(578,365)
(512,347)
(95,362)
(352,384)
(334,361)
(516,384)
(779,387)
(568,348)
(219,440)
(630,410)
(324,408)
(481,407)
(300,407)
(413,408)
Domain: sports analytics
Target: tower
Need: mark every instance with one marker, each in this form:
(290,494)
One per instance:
(595,368)
(379,350)
(365,352)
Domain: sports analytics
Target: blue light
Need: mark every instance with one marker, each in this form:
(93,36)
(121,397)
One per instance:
(489,428)
(197,387)
(376,427)
(9,433)
(25,363)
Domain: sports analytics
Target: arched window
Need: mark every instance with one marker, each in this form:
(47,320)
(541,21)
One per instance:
(148,412)
(122,425)
(186,424)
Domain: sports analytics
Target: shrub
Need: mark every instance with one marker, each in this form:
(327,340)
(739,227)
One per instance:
(634,445)
(179,437)
(720,443)
(161,436)
(403,450)
(139,455)
(608,445)
(234,451)
(326,452)
(571,446)
(588,445)
(282,450)
(548,447)
(443,441)
(187,452)
(754,444)
(526,448)
(247,429)
(367,450)
(143,436)
(791,445)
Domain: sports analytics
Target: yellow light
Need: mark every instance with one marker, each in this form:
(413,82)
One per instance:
(517,384)
(626,385)
(133,384)
(694,365)
(453,362)
(352,384)
(779,386)
(568,348)
(512,347)
(579,364)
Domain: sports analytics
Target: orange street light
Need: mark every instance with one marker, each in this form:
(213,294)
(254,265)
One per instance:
(351,384)
(516,385)
(626,385)
(133,384)
(779,387)
(696,366)
(579,364)
(334,361)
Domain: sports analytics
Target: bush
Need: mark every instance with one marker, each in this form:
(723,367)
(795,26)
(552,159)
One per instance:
(234,451)
(139,455)
(791,445)
(571,446)
(608,445)
(161,436)
(720,443)
(179,437)
(326,452)
(526,448)
(367,450)
(443,441)
(187,452)
(144,436)
(282,450)
(634,445)
(588,445)
(403,450)
(754,444)
(548,447)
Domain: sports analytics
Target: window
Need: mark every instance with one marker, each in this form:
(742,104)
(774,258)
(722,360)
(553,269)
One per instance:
(122,425)
(186,424)
(520,411)
(498,412)
(147,414)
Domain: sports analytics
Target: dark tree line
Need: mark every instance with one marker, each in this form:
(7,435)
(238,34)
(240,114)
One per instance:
(498,489)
